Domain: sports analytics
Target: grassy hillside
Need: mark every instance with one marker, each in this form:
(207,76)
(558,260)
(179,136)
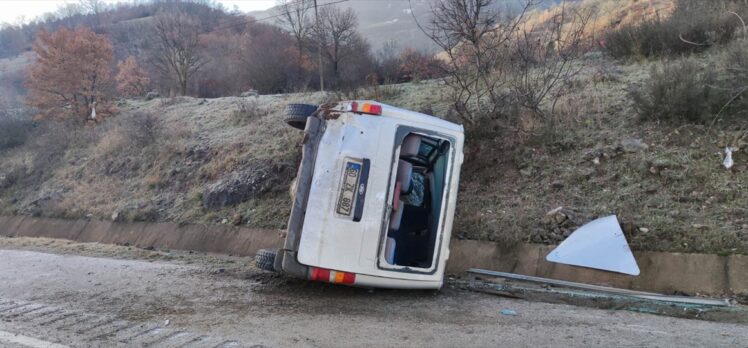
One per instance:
(665,181)
(231,160)
(156,160)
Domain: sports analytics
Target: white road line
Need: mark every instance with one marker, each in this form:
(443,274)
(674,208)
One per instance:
(27,341)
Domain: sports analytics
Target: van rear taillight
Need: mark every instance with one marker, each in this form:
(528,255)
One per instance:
(366,108)
(330,276)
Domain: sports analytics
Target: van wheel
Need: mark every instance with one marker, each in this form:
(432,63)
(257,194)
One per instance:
(296,114)
(265,259)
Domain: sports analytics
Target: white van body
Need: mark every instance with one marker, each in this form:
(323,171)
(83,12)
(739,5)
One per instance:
(351,208)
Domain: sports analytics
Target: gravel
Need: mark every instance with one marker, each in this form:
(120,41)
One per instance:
(242,306)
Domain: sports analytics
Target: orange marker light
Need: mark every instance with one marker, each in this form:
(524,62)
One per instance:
(366,108)
(328,276)
(371,109)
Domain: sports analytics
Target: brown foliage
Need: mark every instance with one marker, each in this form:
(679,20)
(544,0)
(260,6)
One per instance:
(270,59)
(132,80)
(260,57)
(72,73)
(416,65)
(223,74)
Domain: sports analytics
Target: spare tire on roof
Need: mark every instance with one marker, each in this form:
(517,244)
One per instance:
(296,114)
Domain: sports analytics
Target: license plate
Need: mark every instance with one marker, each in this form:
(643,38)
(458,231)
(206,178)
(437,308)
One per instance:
(348,189)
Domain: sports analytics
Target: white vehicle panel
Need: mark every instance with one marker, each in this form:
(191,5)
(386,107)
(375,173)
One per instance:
(331,241)
(342,246)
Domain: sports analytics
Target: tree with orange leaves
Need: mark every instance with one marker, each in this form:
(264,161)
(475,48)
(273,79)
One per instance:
(71,75)
(132,80)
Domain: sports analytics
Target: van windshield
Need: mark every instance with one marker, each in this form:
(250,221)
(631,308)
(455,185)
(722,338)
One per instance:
(420,180)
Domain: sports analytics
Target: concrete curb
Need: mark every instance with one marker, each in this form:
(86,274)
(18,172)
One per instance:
(660,272)
(215,239)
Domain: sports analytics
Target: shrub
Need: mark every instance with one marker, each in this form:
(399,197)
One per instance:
(142,129)
(417,65)
(694,26)
(680,91)
(47,146)
(634,41)
(13,132)
(735,64)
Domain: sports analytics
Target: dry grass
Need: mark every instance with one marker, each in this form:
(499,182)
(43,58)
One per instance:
(248,110)
(161,175)
(608,14)
(99,196)
(111,143)
(677,191)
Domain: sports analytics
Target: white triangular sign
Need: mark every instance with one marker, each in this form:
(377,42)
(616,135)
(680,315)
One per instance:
(599,244)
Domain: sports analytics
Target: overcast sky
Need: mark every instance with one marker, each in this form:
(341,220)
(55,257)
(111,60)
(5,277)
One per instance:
(11,11)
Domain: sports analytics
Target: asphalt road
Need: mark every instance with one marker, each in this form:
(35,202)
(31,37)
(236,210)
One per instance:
(60,294)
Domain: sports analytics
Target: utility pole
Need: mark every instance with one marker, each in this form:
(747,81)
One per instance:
(319,49)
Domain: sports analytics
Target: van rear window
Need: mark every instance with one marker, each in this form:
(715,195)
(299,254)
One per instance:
(420,176)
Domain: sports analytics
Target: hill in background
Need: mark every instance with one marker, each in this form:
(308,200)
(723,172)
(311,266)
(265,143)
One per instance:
(381,21)
(130,28)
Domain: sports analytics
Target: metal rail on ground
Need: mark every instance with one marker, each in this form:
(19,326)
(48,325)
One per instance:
(617,291)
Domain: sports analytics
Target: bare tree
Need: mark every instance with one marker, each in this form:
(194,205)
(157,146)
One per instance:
(337,36)
(95,7)
(68,10)
(543,55)
(294,18)
(496,59)
(388,61)
(473,35)
(177,53)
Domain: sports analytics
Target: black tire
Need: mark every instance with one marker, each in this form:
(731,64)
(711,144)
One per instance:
(265,259)
(296,114)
